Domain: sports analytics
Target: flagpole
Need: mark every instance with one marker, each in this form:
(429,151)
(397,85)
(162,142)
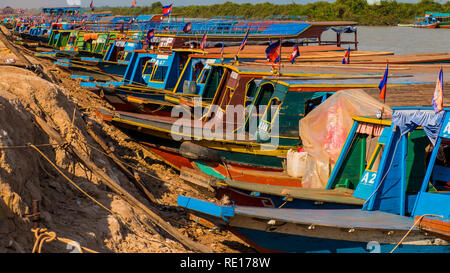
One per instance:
(170,14)
(281,57)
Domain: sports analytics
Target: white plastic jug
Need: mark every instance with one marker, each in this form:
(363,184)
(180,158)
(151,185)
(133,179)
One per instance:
(296,162)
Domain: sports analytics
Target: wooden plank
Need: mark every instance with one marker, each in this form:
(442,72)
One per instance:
(437,226)
(332,196)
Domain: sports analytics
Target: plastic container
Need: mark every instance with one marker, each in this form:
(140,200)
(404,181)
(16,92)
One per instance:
(296,163)
(189,87)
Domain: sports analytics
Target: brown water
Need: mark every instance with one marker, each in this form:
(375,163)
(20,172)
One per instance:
(400,40)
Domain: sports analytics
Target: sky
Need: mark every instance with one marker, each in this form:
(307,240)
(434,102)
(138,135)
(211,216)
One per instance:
(85,3)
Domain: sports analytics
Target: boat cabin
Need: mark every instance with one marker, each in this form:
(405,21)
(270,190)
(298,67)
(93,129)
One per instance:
(400,166)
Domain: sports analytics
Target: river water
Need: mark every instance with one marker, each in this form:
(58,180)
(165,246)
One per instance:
(400,40)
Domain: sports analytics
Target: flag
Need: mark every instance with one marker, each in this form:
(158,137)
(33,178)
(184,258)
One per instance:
(438,98)
(295,53)
(133,4)
(92,5)
(187,28)
(167,10)
(346,59)
(244,42)
(221,51)
(203,43)
(273,51)
(383,84)
(150,35)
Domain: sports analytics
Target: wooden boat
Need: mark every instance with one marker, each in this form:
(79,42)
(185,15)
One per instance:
(291,94)
(443,19)
(113,63)
(386,221)
(426,22)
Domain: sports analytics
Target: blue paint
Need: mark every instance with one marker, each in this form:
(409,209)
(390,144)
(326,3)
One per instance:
(386,159)
(433,203)
(365,185)
(273,241)
(342,156)
(222,212)
(82,77)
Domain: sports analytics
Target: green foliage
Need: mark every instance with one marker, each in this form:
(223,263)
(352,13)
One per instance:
(387,12)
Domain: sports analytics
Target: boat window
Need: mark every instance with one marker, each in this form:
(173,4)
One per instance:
(148,68)
(269,115)
(251,89)
(159,73)
(197,70)
(313,103)
(122,56)
(376,158)
(212,82)
(127,56)
(440,177)
(264,95)
(203,76)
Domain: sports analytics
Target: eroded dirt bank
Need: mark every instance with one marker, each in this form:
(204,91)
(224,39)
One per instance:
(25,174)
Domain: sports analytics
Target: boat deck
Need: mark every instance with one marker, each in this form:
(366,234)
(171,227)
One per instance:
(348,218)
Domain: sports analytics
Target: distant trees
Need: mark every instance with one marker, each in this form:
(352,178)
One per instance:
(384,13)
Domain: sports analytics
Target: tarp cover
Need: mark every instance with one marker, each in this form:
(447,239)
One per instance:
(344,29)
(408,120)
(324,130)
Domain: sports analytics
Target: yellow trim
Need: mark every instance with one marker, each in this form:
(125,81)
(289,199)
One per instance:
(182,73)
(239,146)
(215,95)
(267,109)
(231,91)
(254,101)
(375,153)
(145,67)
(155,67)
(373,120)
(201,75)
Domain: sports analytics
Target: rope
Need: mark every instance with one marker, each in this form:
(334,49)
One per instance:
(409,231)
(121,161)
(42,236)
(27,146)
(68,179)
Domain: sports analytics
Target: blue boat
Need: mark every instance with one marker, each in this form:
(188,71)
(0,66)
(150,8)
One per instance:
(392,210)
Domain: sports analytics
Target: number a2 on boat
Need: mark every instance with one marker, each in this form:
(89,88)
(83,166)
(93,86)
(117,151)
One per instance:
(366,184)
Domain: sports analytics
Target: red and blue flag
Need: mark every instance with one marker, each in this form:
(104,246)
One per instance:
(346,59)
(295,53)
(133,4)
(438,98)
(167,10)
(187,28)
(383,84)
(244,41)
(149,36)
(92,5)
(273,52)
(203,42)
(221,51)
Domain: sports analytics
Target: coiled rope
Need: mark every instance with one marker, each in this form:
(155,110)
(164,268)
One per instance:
(42,236)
